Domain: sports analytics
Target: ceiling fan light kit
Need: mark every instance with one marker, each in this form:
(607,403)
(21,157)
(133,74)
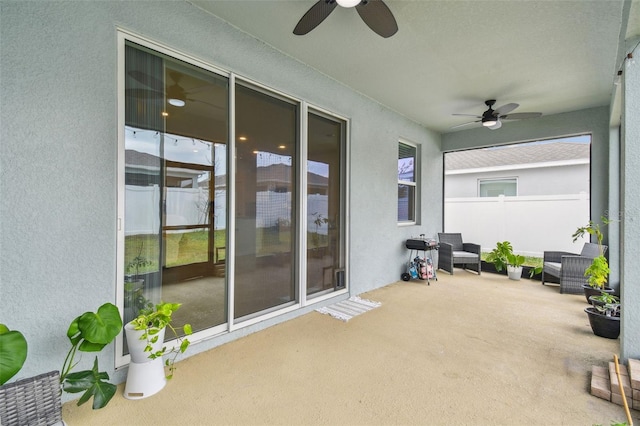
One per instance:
(176,102)
(348,3)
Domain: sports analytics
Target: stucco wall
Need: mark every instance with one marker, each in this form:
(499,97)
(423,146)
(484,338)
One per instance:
(59,159)
(630,212)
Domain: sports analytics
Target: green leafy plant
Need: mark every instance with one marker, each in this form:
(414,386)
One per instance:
(598,271)
(138,263)
(502,256)
(13,353)
(318,220)
(151,321)
(499,256)
(607,304)
(91,332)
(605,297)
(516,260)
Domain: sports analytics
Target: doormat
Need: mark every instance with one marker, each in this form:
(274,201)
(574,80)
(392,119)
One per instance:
(349,308)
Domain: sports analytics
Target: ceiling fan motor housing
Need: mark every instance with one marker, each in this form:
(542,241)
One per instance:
(489,115)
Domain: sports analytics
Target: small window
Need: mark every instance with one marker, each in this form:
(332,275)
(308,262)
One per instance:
(407,183)
(497,187)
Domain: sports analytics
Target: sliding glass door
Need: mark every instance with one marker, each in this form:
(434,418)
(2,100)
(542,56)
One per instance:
(284,194)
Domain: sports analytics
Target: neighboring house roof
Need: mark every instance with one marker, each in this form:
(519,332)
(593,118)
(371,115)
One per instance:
(516,154)
(272,173)
(133,157)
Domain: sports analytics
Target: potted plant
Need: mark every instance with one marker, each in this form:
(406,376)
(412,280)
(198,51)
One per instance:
(134,299)
(598,271)
(604,315)
(136,264)
(604,299)
(149,328)
(318,220)
(91,332)
(503,257)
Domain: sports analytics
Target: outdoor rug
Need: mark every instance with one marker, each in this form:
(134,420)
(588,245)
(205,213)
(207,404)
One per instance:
(349,308)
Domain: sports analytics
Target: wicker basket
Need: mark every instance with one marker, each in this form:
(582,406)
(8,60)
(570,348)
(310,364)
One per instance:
(32,401)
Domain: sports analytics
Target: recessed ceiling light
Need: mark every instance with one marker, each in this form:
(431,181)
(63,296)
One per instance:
(243,138)
(165,114)
(282,146)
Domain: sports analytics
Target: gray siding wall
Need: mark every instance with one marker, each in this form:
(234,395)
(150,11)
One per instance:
(557,180)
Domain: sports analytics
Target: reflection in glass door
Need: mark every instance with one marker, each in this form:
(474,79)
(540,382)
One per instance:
(325,205)
(175,187)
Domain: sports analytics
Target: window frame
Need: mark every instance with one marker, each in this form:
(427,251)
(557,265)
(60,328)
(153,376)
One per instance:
(495,180)
(415,183)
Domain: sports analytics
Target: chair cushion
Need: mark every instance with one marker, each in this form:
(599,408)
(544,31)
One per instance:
(460,255)
(553,268)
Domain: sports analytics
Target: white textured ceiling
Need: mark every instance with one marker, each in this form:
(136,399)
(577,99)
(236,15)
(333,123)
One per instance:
(449,56)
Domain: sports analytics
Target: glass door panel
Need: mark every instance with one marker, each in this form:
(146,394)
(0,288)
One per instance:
(325,234)
(175,187)
(266,129)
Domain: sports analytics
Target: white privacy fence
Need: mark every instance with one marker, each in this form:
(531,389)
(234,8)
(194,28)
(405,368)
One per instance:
(532,224)
(188,206)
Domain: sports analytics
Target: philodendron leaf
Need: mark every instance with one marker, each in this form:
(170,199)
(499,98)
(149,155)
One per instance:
(101,327)
(13,353)
(73,333)
(92,383)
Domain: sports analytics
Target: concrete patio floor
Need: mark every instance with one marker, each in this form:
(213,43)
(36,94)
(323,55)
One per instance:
(466,350)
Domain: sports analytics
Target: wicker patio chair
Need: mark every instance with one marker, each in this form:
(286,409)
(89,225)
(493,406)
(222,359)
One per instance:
(453,251)
(32,401)
(569,267)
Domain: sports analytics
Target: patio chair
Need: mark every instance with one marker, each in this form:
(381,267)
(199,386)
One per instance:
(453,251)
(32,401)
(569,267)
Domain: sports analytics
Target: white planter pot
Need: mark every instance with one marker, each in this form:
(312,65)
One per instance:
(145,376)
(136,346)
(514,272)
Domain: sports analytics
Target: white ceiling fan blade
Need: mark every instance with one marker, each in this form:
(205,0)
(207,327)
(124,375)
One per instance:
(505,109)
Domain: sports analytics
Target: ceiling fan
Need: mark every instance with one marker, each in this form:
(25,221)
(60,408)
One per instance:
(492,118)
(175,94)
(374,13)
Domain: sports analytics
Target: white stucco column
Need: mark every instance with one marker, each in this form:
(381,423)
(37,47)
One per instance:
(630,204)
